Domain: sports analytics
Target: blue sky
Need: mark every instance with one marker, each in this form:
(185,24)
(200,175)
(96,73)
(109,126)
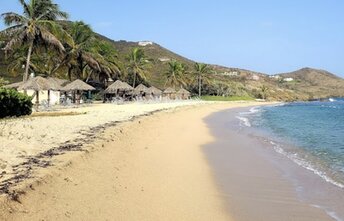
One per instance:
(263,35)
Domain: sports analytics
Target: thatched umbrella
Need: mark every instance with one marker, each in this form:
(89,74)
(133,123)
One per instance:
(140,89)
(170,92)
(154,91)
(39,84)
(76,86)
(58,81)
(13,85)
(118,86)
(183,93)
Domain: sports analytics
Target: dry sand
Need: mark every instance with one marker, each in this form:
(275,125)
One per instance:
(24,138)
(149,169)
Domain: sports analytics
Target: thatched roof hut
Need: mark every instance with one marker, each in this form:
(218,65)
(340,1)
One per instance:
(59,81)
(118,86)
(39,84)
(78,85)
(13,85)
(170,93)
(169,90)
(183,92)
(140,89)
(153,90)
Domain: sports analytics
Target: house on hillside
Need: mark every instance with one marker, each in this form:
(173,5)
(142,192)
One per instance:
(288,79)
(255,77)
(145,43)
(230,74)
(164,59)
(275,76)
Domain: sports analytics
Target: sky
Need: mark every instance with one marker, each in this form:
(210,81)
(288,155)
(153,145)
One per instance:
(269,36)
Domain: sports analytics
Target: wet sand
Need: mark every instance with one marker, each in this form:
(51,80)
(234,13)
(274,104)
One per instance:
(252,176)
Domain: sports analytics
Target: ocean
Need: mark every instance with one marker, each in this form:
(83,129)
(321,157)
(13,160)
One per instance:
(311,135)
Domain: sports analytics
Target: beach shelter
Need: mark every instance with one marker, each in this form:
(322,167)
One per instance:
(13,85)
(140,90)
(183,94)
(38,84)
(77,86)
(155,92)
(117,87)
(170,93)
(58,81)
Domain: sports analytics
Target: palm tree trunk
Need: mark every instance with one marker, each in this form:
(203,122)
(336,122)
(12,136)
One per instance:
(70,73)
(199,86)
(28,59)
(134,80)
(48,98)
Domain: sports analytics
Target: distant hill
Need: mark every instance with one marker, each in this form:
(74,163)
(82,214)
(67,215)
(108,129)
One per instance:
(306,83)
(316,83)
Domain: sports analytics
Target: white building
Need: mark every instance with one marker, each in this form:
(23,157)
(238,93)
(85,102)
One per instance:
(275,76)
(255,77)
(145,43)
(231,73)
(288,79)
(164,59)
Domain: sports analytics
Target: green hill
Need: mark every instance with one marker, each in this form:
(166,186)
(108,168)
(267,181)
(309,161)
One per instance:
(307,83)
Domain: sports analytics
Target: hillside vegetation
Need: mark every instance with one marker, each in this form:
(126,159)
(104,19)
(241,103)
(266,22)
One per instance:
(306,83)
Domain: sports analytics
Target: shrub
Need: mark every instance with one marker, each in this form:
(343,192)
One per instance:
(13,103)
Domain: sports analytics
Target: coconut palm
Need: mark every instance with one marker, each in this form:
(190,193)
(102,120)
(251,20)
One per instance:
(176,74)
(86,56)
(201,73)
(36,25)
(137,64)
(79,55)
(264,91)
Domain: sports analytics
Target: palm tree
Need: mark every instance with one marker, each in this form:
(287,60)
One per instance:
(176,74)
(137,64)
(264,91)
(202,72)
(81,52)
(36,24)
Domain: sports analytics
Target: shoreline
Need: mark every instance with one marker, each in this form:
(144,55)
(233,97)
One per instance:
(50,186)
(271,185)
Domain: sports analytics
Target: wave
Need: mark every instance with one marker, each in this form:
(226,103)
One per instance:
(244,121)
(305,164)
(328,212)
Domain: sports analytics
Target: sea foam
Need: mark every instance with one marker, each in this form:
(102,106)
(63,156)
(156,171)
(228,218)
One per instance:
(305,164)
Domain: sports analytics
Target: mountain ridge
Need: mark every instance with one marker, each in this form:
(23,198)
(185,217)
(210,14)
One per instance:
(308,83)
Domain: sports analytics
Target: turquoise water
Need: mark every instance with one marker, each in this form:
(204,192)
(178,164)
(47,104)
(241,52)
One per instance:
(309,133)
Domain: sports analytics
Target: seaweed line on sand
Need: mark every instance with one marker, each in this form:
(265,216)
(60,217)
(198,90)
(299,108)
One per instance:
(24,171)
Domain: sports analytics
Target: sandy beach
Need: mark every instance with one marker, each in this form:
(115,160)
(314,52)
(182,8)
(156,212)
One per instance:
(151,168)
(131,171)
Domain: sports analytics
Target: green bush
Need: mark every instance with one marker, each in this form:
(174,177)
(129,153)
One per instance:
(13,103)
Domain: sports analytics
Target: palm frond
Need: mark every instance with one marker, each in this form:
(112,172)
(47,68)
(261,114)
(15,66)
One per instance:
(12,18)
(50,39)
(90,61)
(11,31)
(27,10)
(15,41)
